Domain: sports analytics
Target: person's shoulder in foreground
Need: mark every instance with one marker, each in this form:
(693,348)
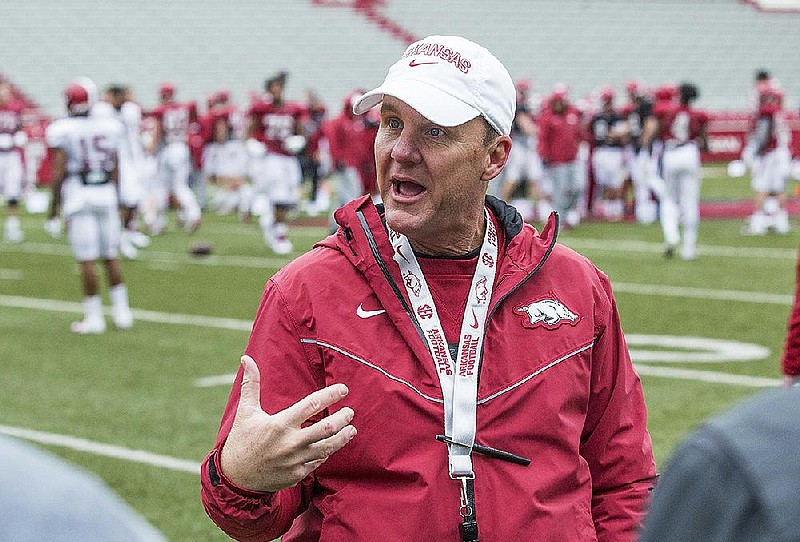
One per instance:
(737,478)
(44,498)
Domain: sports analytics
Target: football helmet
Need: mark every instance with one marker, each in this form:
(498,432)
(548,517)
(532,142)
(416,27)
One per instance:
(80,95)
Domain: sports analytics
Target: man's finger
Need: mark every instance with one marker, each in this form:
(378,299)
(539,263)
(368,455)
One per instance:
(323,449)
(250,399)
(326,427)
(314,403)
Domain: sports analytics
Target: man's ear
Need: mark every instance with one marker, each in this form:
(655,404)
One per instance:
(497,158)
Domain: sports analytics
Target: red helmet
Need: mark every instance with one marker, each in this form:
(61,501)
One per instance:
(524,85)
(634,87)
(166,90)
(666,92)
(80,95)
(606,94)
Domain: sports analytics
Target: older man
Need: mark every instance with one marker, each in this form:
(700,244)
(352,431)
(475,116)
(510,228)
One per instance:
(358,412)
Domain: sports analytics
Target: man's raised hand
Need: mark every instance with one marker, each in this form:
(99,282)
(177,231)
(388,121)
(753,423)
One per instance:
(266,452)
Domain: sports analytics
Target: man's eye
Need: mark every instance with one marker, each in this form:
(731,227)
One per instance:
(393,124)
(436,132)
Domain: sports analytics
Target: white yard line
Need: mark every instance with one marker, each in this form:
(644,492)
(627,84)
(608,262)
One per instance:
(10,274)
(105,450)
(195,320)
(628,245)
(702,293)
(609,245)
(712,377)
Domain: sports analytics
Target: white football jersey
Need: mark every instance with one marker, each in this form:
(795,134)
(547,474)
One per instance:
(92,148)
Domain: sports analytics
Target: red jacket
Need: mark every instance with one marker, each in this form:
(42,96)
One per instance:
(559,135)
(791,354)
(563,394)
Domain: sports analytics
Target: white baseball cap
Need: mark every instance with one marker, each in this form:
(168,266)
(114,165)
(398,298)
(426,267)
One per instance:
(449,80)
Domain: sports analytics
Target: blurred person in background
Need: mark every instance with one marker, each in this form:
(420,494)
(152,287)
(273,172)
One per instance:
(12,171)
(173,122)
(118,103)
(735,479)
(606,135)
(226,164)
(642,162)
(767,152)
(312,159)
(345,134)
(559,136)
(85,158)
(523,174)
(275,128)
(683,133)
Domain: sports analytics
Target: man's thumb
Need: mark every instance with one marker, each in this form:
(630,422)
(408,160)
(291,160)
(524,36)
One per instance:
(250,398)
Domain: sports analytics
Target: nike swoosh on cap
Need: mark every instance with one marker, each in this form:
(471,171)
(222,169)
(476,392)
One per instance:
(414,63)
(368,314)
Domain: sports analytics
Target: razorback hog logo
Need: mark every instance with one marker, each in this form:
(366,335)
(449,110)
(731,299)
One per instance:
(548,312)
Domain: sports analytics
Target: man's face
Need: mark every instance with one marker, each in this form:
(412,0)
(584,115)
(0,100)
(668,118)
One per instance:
(432,178)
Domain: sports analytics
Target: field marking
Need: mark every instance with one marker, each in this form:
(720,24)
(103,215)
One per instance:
(702,293)
(217,380)
(161,257)
(712,377)
(627,245)
(105,450)
(694,349)
(10,274)
(53,305)
(609,245)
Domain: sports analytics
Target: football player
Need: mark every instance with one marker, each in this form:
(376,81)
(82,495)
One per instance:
(275,135)
(606,133)
(641,158)
(523,172)
(559,137)
(85,158)
(683,131)
(171,140)
(12,140)
(770,158)
(118,104)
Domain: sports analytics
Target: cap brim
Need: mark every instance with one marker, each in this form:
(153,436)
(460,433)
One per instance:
(430,102)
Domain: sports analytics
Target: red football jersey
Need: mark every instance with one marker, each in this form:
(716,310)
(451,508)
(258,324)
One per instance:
(275,122)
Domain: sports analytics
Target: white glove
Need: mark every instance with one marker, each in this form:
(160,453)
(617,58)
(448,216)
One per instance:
(53,227)
(255,148)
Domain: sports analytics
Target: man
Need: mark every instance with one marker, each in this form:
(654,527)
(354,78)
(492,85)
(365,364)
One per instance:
(642,158)
(117,104)
(275,125)
(398,313)
(559,139)
(683,133)
(606,133)
(85,155)
(12,139)
(734,479)
(768,153)
(171,140)
(523,173)
(345,134)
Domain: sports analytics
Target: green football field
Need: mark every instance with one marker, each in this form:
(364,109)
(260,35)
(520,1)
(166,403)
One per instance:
(704,334)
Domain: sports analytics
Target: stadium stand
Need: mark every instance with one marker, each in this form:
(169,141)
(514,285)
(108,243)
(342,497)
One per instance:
(204,45)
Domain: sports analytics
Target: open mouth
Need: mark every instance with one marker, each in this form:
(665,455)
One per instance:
(404,189)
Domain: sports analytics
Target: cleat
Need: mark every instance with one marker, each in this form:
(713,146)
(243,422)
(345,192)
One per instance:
(89,327)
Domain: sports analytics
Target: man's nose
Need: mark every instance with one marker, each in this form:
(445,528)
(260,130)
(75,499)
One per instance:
(405,148)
